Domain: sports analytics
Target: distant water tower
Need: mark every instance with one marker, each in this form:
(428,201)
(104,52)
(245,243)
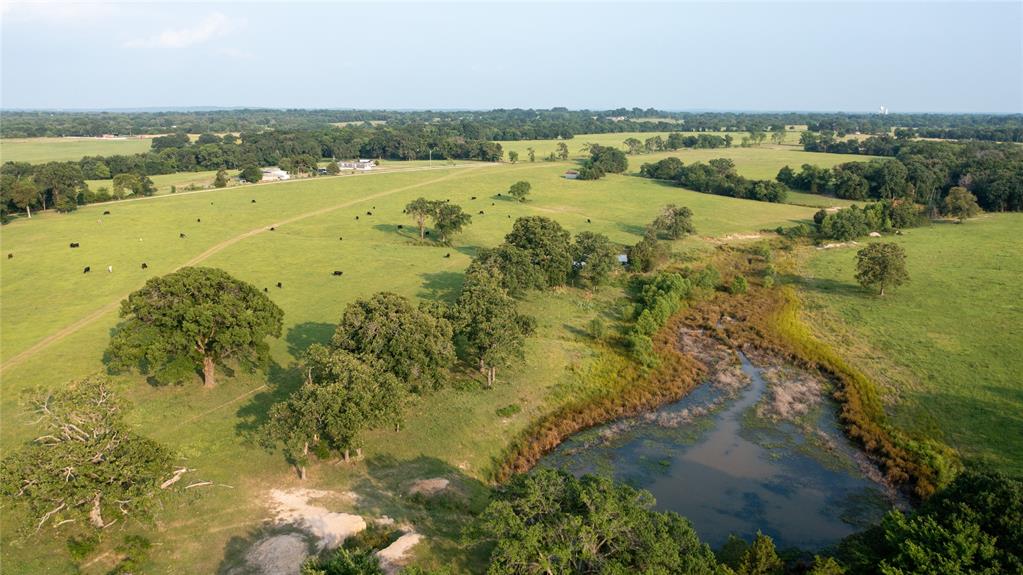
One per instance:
(882,110)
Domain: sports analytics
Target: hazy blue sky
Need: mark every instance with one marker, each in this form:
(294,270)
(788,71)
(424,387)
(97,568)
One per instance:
(917,56)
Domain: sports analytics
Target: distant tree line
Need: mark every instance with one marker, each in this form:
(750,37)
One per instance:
(716,177)
(991,172)
(501,124)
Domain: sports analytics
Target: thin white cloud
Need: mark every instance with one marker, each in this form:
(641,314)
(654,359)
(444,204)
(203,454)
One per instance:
(212,26)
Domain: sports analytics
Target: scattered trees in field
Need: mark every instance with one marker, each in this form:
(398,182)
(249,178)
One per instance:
(548,245)
(221,179)
(87,469)
(881,265)
(252,174)
(448,219)
(562,151)
(387,331)
(593,258)
(961,204)
(532,153)
(513,156)
(634,145)
(190,318)
(24,194)
(647,253)
(342,396)
(603,160)
(519,190)
(718,177)
(675,222)
(134,184)
(550,522)
(487,324)
(512,265)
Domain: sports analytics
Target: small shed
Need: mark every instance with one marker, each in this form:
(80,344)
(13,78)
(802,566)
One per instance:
(571,174)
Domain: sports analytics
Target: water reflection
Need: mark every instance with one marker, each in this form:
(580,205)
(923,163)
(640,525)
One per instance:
(718,473)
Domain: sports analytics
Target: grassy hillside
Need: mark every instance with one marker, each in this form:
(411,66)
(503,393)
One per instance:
(947,344)
(55,324)
(40,150)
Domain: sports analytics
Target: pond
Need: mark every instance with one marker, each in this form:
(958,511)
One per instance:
(729,471)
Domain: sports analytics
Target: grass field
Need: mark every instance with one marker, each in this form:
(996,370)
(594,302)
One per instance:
(56,321)
(946,345)
(39,150)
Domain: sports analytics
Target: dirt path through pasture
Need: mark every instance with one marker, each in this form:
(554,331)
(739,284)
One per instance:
(65,332)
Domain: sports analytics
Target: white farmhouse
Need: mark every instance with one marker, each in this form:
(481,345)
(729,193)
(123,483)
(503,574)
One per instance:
(275,175)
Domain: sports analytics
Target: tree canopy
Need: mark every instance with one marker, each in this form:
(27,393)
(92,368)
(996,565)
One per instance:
(548,521)
(86,467)
(881,265)
(548,245)
(193,317)
(388,331)
(675,222)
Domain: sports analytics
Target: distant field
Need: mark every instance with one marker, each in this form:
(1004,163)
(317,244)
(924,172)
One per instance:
(947,344)
(39,150)
(453,432)
(164,182)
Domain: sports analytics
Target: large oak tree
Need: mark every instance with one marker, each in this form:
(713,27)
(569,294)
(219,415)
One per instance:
(190,318)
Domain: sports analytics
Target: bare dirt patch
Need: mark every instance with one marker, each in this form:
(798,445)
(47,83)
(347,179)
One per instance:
(394,556)
(429,487)
(331,528)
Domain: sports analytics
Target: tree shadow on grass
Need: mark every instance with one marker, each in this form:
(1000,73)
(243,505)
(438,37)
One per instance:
(441,286)
(302,335)
(826,285)
(631,229)
(405,231)
(281,382)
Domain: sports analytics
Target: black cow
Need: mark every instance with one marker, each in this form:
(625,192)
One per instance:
(106,213)
(473,198)
(279,284)
(588,221)
(181,235)
(338,273)
(481,212)
(426,233)
(499,195)
(253,201)
(509,216)
(10,256)
(198,220)
(266,290)
(145,266)
(369,213)
(272,228)
(356,217)
(401,227)
(341,239)
(73,244)
(86,270)
(447,255)
(493,203)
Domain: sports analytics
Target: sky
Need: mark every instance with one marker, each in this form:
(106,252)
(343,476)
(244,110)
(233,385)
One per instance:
(751,56)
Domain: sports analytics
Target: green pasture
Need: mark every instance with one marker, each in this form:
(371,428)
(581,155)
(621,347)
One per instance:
(40,150)
(454,433)
(946,346)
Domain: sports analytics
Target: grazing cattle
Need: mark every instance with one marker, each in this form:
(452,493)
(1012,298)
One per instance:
(493,203)
(338,273)
(106,213)
(86,270)
(426,233)
(145,266)
(473,198)
(374,207)
(588,221)
(73,244)
(356,217)
(110,269)
(447,255)
(266,290)
(198,220)
(499,195)
(279,284)
(253,201)
(369,213)
(509,216)
(341,239)
(401,227)
(272,228)
(10,256)
(181,235)
(211,203)
(481,212)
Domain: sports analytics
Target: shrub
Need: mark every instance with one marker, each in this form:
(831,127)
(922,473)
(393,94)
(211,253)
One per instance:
(598,328)
(508,410)
(738,286)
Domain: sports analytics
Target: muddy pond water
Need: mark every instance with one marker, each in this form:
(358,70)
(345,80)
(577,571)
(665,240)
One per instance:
(711,458)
